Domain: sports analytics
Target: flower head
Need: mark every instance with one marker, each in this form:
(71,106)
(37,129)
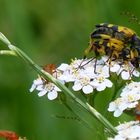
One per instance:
(88,75)
(128,131)
(126,70)
(83,82)
(44,88)
(129,99)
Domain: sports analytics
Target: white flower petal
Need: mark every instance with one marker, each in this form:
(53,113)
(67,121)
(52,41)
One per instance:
(94,83)
(89,71)
(77,87)
(35,84)
(66,78)
(136,73)
(115,68)
(40,87)
(32,88)
(123,105)
(125,75)
(112,107)
(117,113)
(52,95)
(42,93)
(101,87)
(108,83)
(128,131)
(38,81)
(63,67)
(106,71)
(132,105)
(87,89)
(56,88)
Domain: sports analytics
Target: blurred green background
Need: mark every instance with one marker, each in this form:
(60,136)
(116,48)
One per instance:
(48,31)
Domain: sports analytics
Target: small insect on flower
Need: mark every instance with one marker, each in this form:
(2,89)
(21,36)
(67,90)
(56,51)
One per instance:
(50,68)
(117,42)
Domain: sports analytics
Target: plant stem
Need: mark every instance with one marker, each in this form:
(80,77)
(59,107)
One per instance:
(7,52)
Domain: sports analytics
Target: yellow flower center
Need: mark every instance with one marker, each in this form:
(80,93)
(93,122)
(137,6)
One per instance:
(50,86)
(84,81)
(130,98)
(118,101)
(101,79)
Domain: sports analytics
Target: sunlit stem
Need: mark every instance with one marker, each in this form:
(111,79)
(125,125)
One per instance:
(49,77)
(7,52)
(4,39)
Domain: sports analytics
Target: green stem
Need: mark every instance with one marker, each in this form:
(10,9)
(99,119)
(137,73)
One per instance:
(4,39)
(7,52)
(49,77)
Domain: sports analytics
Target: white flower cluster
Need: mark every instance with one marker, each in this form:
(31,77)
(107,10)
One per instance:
(128,99)
(128,131)
(87,78)
(44,87)
(86,75)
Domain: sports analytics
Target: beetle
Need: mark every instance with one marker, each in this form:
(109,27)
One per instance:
(117,42)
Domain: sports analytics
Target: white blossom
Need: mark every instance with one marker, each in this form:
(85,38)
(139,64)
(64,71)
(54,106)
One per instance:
(114,66)
(128,131)
(118,106)
(100,83)
(127,71)
(131,87)
(44,87)
(36,83)
(89,75)
(83,82)
(128,99)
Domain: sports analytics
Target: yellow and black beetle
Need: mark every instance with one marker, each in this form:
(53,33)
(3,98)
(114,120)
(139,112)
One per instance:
(115,41)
